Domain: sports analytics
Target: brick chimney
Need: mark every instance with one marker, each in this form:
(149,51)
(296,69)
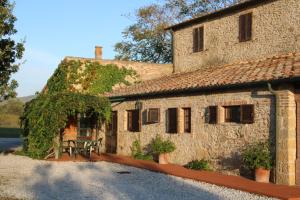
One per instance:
(98,52)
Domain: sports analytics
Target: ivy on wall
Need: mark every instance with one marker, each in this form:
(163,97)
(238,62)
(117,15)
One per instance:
(47,115)
(88,77)
(71,89)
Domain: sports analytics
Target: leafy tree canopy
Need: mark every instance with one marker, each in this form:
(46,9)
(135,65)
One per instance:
(147,41)
(10,51)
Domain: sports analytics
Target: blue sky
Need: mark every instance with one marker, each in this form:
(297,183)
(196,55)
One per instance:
(54,29)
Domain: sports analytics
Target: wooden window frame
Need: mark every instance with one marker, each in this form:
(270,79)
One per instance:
(172,130)
(215,113)
(245,27)
(130,121)
(187,120)
(240,119)
(149,118)
(198,39)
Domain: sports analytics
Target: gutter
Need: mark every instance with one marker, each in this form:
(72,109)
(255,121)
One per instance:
(276,94)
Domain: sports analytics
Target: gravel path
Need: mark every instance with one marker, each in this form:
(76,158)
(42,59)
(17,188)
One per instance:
(24,178)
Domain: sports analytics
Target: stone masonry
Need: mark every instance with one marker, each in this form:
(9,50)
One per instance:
(220,143)
(275,31)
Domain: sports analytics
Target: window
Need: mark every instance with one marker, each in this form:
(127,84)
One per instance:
(232,114)
(245,27)
(198,39)
(153,115)
(212,114)
(187,120)
(133,120)
(239,114)
(171,119)
(85,127)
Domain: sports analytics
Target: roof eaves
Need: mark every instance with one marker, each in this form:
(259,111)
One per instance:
(219,13)
(207,89)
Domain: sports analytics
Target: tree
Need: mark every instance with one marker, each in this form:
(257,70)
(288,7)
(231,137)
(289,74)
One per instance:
(147,41)
(10,51)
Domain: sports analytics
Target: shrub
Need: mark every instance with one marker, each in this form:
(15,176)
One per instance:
(257,155)
(199,165)
(137,153)
(159,146)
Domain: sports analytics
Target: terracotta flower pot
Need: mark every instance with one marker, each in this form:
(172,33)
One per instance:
(163,158)
(262,175)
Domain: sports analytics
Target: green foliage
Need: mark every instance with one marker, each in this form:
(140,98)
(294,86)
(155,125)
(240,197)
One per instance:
(257,155)
(10,51)
(46,116)
(90,77)
(146,39)
(158,146)
(137,152)
(199,165)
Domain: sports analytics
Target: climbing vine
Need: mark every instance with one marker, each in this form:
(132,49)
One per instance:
(47,115)
(73,88)
(88,77)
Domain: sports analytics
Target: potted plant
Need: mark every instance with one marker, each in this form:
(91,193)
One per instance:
(161,149)
(199,165)
(258,157)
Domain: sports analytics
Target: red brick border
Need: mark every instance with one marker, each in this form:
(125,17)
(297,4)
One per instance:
(234,182)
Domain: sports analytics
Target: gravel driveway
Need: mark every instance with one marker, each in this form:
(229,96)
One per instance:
(24,178)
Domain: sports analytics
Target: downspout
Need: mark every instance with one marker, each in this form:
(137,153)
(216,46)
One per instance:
(172,48)
(276,95)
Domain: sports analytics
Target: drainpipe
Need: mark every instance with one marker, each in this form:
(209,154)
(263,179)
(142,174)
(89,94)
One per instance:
(276,95)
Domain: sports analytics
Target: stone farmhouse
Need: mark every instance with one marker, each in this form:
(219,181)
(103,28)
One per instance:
(218,99)
(235,79)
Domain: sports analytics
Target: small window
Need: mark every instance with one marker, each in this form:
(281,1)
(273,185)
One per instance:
(187,120)
(133,120)
(171,120)
(198,39)
(245,27)
(85,129)
(212,114)
(153,115)
(239,114)
(233,114)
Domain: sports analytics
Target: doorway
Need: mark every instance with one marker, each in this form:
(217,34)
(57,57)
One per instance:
(111,134)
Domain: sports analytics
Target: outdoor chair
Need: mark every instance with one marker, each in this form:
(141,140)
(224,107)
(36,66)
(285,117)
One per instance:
(67,147)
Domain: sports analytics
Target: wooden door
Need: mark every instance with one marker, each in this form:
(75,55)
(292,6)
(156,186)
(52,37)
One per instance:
(297,97)
(111,134)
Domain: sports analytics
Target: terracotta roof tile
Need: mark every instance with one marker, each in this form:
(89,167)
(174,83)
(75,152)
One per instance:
(269,69)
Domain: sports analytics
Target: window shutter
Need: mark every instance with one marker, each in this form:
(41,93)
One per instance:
(172,121)
(129,121)
(200,39)
(242,21)
(167,121)
(212,112)
(187,120)
(248,26)
(247,114)
(195,40)
(153,115)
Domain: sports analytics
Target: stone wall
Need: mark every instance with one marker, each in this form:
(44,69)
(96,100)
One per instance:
(286,136)
(145,71)
(220,143)
(275,31)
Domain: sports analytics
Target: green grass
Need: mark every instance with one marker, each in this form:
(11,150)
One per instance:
(10,132)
